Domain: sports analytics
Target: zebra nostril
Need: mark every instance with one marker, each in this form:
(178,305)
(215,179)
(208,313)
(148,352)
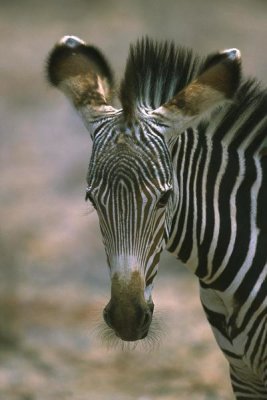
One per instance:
(106,316)
(146,319)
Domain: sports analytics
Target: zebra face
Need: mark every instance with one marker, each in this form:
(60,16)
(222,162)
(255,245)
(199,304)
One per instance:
(130,186)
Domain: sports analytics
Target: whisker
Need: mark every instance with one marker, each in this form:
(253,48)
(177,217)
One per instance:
(88,210)
(108,338)
(156,332)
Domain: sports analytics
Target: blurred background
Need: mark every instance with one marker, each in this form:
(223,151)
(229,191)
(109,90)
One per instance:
(53,275)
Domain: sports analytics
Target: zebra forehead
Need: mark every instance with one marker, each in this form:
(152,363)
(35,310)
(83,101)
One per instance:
(123,148)
(125,163)
(129,154)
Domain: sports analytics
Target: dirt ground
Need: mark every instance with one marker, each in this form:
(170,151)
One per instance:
(53,275)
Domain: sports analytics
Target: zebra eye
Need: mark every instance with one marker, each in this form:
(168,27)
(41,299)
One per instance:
(89,197)
(164,199)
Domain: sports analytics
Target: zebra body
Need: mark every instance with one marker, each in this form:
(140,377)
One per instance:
(182,165)
(233,293)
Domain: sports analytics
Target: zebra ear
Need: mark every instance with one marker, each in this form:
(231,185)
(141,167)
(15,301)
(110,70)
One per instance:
(216,83)
(81,72)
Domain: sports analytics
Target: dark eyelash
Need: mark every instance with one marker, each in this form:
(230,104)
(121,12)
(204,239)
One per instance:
(89,197)
(164,199)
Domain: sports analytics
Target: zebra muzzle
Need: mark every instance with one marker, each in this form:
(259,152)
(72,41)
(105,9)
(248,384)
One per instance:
(130,321)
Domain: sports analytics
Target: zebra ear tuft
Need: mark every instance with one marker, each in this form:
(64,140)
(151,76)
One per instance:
(217,82)
(81,72)
(222,72)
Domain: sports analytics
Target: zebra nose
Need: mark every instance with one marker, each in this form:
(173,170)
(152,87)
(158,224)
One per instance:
(131,323)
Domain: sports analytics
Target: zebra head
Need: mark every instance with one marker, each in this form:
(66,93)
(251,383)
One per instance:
(131,182)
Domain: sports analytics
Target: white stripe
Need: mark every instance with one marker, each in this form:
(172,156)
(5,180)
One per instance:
(216,230)
(204,188)
(180,194)
(232,202)
(254,232)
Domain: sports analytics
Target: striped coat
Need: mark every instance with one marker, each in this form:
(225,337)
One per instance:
(181,165)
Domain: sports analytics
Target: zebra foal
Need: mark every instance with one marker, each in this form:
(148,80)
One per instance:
(181,165)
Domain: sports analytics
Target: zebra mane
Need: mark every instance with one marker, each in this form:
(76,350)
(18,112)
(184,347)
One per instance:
(243,123)
(155,72)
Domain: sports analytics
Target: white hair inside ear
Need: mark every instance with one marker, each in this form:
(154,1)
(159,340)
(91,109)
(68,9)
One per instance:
(215,86)
(71,41)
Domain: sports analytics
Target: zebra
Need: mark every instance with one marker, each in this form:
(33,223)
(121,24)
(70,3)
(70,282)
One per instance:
(182,165)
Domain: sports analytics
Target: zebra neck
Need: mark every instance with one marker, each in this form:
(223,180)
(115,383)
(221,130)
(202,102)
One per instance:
(214,228)
(187,155)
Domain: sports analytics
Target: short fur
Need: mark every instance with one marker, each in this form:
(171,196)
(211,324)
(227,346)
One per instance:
(249,109)
(155,72)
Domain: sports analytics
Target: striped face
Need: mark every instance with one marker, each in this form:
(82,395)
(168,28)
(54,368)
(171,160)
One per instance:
(130,185)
